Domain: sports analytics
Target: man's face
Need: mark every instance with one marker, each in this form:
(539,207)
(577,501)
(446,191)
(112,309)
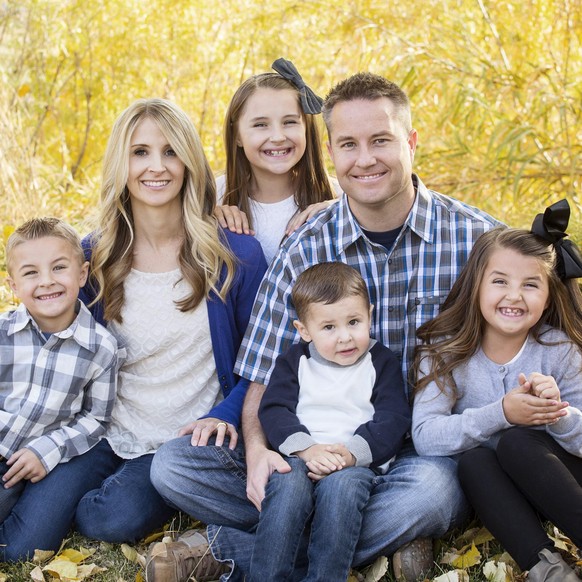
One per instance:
(373,153)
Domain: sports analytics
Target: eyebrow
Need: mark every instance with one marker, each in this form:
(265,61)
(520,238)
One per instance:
(373,136)
(537,277)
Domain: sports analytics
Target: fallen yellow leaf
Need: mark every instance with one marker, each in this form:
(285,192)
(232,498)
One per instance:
(468,558)
(37,575)
(41,556)
(76,556)
(500,572)
(377,570)
(86,570)
(453,576)
(63,568)
(130,553)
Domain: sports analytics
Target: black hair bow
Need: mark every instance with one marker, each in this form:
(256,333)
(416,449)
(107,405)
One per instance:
(310,102)
(551,226)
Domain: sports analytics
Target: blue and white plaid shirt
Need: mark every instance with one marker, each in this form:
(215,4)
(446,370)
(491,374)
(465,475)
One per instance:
(407,285)
(56,394)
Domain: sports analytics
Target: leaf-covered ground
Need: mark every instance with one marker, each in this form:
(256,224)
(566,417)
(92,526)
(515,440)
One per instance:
(468,556)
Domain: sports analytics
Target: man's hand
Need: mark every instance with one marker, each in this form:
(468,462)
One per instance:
(260,466)
(24,464)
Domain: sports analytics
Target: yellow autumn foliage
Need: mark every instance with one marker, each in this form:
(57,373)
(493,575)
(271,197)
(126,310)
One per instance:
(495,87)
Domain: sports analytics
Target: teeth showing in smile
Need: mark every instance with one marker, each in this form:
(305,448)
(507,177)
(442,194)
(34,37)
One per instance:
(277,153)
(156,183)
(511,311)
(51,296)
(369,177)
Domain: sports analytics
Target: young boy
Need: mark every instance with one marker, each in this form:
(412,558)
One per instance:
(58,379)
(336,407)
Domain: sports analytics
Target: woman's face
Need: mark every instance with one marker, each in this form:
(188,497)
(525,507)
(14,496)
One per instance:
(156,174)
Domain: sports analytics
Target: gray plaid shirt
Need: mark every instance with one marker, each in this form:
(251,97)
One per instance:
(56,395)
(407,284)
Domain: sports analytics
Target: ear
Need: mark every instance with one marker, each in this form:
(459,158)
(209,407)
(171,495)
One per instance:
(302,330)
(12,285)
(84,273)
(412,142)
(371,310)
(329,151)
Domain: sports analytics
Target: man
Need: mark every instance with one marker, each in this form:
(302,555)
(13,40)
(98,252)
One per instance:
(409,244)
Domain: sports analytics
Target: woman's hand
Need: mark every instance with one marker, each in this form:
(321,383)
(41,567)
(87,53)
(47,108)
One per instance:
(302,217)
(202,429)
(233,218)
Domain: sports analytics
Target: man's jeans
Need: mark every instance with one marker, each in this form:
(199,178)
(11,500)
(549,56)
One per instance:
(417,497)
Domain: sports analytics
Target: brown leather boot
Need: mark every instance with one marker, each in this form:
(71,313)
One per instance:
(189,556)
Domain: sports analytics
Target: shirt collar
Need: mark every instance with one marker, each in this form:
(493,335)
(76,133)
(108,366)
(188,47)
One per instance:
(418,219)
(82,330)
(420,216)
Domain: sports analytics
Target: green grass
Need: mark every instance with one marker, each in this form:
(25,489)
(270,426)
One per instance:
(122,566)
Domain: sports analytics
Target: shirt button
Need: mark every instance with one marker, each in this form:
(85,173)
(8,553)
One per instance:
(389,261)
(502,369)
(391,308)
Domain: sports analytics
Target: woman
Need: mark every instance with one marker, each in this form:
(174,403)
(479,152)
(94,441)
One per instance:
(177,292)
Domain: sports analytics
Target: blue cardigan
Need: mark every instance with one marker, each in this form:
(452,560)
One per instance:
(228,320)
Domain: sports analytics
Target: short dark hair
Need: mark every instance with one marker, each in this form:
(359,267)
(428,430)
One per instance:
(369,87)
(327,283)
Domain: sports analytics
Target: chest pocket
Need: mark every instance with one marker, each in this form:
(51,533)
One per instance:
(424,308)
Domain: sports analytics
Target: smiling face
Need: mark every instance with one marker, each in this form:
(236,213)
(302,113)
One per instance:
(512,296)
(156,174)
(373,153)
(46,275)
(271,131)
(339,331)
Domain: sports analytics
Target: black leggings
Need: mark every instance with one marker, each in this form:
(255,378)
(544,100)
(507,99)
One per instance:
(529,478)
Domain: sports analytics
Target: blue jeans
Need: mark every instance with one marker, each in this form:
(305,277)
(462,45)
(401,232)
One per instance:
(417,497)
(8,497)
(334,507)
(44,512)
(123,506)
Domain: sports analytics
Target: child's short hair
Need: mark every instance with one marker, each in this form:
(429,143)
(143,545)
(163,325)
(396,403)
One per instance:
(327,283)
(40,228)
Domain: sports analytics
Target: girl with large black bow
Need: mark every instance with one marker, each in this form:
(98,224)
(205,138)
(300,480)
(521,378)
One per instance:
(503,357)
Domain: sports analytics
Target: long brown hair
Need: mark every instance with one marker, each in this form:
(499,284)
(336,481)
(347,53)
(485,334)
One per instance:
(202,254)
(455,334)
(310,180)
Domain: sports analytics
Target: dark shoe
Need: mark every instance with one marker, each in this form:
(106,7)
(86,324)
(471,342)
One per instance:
(413,560)
(188,557)
(551,568)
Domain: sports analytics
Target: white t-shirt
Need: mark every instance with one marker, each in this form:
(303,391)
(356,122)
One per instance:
(269,219)
(169,378)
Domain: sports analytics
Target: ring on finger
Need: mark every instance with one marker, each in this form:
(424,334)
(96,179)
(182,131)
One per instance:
(222,424)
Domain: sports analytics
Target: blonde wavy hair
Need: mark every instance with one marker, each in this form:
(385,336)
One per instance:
(202,255)
(455,334)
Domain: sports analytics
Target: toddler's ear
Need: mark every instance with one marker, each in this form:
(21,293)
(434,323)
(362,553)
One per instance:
(302,330)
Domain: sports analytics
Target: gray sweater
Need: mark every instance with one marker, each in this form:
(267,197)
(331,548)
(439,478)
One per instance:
(441,426)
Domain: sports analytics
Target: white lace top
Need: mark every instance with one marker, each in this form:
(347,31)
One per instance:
(169,378)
